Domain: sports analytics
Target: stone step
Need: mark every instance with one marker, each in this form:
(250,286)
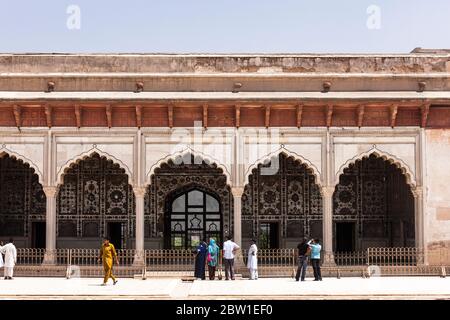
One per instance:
(183,275)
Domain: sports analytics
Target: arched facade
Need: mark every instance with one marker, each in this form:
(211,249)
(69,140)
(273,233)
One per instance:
(373,206)
(284,206)
(183,173)
(22,203)
(95,200)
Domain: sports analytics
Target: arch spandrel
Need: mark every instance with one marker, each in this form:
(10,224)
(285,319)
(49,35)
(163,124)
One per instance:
(182,154)
(82,156)
(267,158)
(5,151)
(399,163)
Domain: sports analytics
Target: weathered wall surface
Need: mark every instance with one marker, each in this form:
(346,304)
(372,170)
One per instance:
(165,72)
(207,63)
(437,204)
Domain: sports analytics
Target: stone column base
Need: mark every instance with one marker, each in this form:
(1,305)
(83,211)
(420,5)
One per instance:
(139,259)
(239,266)
(49,257)
(328,260)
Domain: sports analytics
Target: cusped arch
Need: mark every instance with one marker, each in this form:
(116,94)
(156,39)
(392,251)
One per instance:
(5,151)
(398,163)
(290,154)
(83,156)
(208,159)
(189,187)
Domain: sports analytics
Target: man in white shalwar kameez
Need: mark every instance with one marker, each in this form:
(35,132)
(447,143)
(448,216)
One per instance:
(10,252)
(1,256)
(252,262)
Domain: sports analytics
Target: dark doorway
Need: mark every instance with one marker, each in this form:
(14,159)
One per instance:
(115,234)
(38,235)
(268,236)
(345,236)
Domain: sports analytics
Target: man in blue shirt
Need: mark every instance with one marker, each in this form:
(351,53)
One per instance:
(315,258)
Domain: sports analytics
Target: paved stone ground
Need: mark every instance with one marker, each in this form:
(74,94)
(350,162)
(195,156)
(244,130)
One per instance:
(265,288)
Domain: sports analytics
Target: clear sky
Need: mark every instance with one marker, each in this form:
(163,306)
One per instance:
(224,26)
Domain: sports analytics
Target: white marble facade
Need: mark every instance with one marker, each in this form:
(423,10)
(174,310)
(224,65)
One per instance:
(422,155)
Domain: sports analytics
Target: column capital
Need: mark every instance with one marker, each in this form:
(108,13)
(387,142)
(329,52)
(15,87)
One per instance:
(50,191)
(237,191)
(139,192)
(417,191)
(328,191)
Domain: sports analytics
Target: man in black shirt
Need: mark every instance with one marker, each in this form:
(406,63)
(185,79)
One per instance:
(303,253)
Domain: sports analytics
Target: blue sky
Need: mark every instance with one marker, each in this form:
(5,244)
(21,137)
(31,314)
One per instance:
(224,26)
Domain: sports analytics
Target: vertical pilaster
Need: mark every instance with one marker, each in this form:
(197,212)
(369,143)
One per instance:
(327,193)
(50,234)
(237,214)
(420,203)
(139,193)
(419,221)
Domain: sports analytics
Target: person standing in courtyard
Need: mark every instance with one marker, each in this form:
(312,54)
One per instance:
(108,255)
(315,258)
(212,258)
(10,252)
(252,262)
(304,251)
(229,250)
(200,260)
(1,255)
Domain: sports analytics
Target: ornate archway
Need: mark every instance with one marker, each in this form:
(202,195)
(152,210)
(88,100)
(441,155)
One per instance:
(95,199)
(22,203)
(373,206)
(287,202)
(183,173)
(86,155)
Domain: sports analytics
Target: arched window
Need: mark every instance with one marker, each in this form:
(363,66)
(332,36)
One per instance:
(193,216)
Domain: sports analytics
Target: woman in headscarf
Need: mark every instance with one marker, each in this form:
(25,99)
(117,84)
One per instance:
(213,258)
(200,260)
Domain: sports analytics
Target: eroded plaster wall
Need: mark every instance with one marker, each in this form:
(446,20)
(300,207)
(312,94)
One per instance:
(437,192)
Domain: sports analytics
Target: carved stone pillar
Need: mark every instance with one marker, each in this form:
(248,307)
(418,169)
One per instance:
(237,214)
(327,226)
(139,193)
(419,223)
(237,232)
(50,219)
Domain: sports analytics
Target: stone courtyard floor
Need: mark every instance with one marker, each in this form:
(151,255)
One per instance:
(264,288)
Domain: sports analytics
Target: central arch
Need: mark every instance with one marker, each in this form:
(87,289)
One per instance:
(179,175)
